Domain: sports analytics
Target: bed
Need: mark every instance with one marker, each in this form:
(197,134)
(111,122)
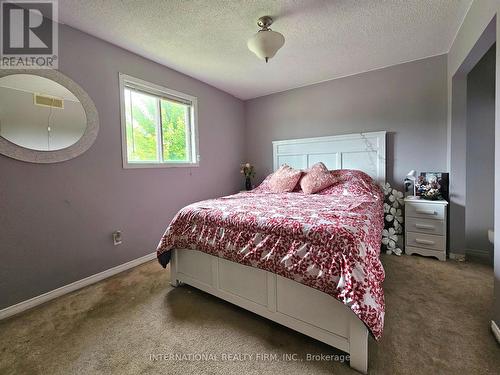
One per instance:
(309,262)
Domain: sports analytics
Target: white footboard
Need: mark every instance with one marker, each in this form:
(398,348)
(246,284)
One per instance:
(276,298)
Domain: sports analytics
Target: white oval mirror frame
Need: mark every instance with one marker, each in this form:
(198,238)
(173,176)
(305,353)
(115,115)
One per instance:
(14,151)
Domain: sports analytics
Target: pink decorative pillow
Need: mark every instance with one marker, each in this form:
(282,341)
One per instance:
(284,179)
(264,186)
(353,183)
(316,178)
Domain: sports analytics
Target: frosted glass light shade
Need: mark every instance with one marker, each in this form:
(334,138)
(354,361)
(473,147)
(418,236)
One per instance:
(266,43)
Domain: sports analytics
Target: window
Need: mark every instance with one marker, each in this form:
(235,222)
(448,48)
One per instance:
(158,125)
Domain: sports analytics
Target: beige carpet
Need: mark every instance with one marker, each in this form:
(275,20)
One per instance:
(437,322)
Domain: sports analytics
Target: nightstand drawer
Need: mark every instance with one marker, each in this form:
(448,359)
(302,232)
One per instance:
(425,210)
(426,241)
(418,225)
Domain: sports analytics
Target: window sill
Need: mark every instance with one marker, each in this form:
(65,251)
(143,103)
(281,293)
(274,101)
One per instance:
(159,165)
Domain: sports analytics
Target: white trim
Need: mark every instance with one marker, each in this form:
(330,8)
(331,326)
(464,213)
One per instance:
(332,137)
(159,91)
(495,330)
(478,252)
(38,300)
(160,165)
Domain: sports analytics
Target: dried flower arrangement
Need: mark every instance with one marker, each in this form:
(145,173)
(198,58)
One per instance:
(428,186)
(248,171)
(393,220)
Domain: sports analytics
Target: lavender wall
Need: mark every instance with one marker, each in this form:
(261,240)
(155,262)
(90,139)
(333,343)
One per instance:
(56,220)
(407,100)
(481,18)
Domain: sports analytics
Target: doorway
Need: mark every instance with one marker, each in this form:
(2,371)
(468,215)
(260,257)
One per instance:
(480,159)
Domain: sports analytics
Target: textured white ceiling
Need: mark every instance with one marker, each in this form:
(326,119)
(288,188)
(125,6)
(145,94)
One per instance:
(325,39)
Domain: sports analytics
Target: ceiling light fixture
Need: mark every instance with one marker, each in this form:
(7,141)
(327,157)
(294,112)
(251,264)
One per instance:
(266,42)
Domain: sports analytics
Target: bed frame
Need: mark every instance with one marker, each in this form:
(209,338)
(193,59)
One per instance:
(284,301)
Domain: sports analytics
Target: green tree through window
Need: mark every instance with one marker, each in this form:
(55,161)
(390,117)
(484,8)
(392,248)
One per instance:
(157,129)
(174,117)
(141,114)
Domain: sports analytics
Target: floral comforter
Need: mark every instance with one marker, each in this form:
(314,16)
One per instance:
(329,241)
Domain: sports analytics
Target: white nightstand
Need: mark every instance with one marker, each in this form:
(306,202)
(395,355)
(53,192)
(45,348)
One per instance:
(425,227)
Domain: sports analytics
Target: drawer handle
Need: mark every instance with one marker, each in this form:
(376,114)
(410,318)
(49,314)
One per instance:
(425,226)
(426,212)
(424,242)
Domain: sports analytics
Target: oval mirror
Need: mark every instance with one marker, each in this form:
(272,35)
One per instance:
(44,117)
(39,114)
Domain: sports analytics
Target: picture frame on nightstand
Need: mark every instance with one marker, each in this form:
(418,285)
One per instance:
(432,186)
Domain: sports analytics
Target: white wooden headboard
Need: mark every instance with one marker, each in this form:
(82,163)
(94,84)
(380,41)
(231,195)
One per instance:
(363,151)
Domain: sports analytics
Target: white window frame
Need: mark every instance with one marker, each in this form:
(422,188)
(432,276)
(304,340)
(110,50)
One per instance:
(156,90)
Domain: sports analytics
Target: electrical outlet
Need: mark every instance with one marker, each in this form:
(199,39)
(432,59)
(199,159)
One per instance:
(117,237)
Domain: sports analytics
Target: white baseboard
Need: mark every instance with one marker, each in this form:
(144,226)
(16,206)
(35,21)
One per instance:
(478,253)
(38,300)
(495,330)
